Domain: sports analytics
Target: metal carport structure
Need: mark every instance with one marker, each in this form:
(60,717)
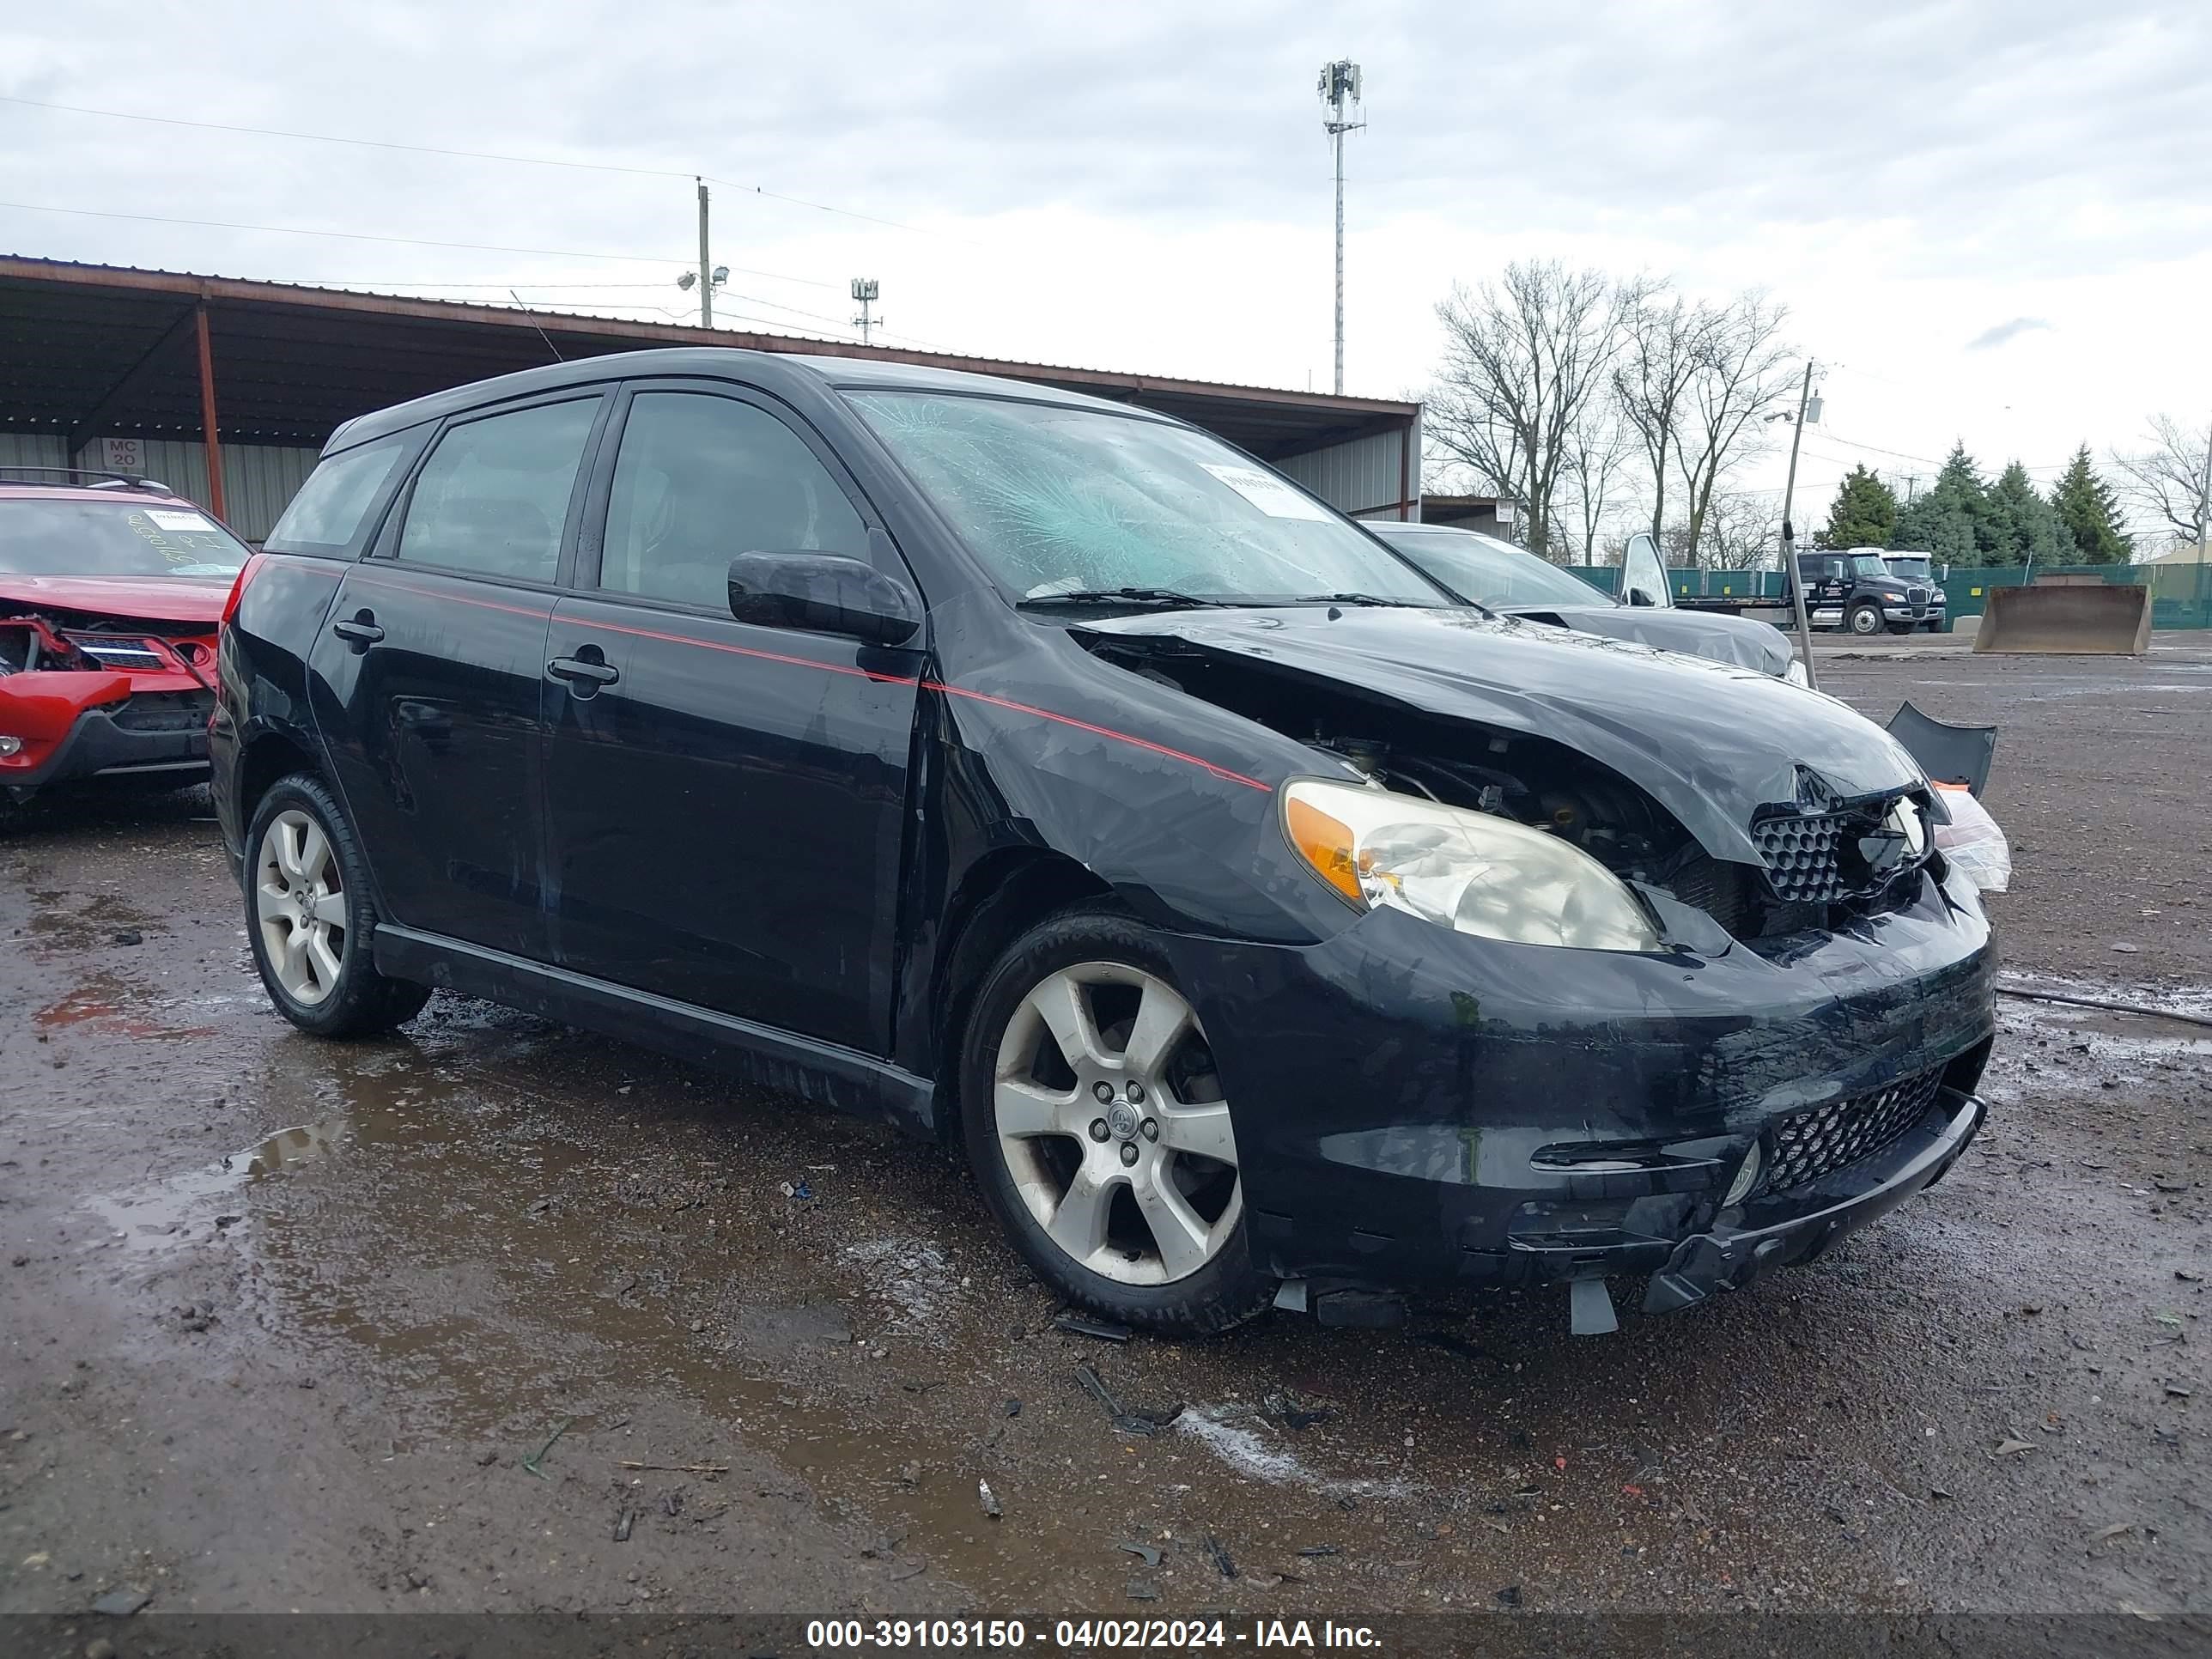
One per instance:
(258,373)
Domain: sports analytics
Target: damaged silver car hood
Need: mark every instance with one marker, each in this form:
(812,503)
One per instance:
(1709,741)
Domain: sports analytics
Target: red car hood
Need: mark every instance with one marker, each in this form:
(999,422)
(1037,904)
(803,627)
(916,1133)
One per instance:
(154,599)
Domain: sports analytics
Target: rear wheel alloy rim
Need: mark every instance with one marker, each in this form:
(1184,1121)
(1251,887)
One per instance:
(299,903)
(1111,1119)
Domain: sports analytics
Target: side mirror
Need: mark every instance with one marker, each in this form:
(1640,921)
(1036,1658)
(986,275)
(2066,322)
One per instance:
(1637,596)
(822,593)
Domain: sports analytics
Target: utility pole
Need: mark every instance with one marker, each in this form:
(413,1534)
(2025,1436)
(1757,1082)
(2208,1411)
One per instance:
(706,272)
(1339,91)
(864,289)
(1789,571)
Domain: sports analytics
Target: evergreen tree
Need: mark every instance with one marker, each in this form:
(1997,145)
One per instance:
(1949,521)
(1864,515)
(2019,526)
(2090,514)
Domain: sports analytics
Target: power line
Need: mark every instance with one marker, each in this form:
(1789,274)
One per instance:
(464,155)
(395,241)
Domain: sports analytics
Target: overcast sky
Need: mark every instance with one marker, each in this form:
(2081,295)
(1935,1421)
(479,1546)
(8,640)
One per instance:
(1991,221)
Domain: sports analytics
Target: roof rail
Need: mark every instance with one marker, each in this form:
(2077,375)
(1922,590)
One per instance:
(82,477)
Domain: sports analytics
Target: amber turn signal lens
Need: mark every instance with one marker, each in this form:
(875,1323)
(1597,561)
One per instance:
(1326,843)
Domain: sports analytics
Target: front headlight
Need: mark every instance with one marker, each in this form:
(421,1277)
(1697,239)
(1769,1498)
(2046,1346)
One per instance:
(1469,871)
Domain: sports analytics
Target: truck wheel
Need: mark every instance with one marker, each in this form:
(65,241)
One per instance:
(1866,620)
(1096,1123)
(309,918)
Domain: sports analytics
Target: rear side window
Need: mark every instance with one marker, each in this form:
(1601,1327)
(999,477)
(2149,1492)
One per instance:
(326,516)
(701,479)
(493,496)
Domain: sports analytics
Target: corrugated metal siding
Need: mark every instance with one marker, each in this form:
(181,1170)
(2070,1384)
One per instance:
(258,480)
(31,449)
(1361,476)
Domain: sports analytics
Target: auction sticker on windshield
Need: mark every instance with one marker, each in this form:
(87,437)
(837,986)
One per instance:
(170,518)
(1270,494)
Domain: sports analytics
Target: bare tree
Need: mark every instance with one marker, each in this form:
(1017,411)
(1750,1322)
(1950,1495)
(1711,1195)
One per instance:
(1594,481)
(1743,370)
(1741,530)
(2171,480)
(1659,359)
(1524,357)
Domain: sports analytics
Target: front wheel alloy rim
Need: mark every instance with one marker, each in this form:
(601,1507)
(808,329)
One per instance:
(1112,1122)
(299,903)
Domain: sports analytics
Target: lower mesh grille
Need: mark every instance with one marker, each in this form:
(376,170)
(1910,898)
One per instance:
(1802,856)
(1806,1146)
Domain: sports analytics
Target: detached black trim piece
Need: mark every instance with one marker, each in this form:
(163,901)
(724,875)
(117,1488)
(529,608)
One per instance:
(821,1072)
(1727,1258)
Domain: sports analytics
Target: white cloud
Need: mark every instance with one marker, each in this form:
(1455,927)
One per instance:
(1147,185)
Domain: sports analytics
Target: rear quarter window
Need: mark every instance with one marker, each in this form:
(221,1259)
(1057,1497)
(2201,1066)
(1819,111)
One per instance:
(331,514)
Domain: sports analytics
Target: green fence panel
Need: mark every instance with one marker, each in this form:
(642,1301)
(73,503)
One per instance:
(2180,595)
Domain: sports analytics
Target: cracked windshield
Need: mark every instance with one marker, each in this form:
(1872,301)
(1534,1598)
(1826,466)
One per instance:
(1065,504)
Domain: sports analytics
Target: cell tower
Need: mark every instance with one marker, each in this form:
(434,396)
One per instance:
(864,290)
(1339,93)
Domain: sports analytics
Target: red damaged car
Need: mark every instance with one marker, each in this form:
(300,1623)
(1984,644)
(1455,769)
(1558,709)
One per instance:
(110,597)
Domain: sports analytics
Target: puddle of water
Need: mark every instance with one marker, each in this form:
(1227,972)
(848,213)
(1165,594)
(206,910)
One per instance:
(166,1213)
(775,1327)
(106,1002)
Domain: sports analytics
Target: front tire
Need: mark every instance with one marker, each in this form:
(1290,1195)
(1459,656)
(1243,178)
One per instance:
(1095,1120)
(310,919)
(1866,620)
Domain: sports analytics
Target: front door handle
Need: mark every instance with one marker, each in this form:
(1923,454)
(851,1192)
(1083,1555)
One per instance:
(583,672)
(359,629)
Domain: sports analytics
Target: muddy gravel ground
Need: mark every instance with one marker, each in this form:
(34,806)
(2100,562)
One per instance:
(493,1315)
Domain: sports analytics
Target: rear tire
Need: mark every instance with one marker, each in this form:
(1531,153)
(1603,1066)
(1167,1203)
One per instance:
(310,919)
(1144,1224)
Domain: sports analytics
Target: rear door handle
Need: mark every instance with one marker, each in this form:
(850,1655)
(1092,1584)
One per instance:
(578,670)
(359,629)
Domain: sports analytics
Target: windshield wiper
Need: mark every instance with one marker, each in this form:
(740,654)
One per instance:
(1165,599)
(1350,598)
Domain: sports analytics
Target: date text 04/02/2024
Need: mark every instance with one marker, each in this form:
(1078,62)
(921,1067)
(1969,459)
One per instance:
(1008,1635)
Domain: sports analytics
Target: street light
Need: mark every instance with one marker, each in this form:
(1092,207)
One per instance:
(689,280)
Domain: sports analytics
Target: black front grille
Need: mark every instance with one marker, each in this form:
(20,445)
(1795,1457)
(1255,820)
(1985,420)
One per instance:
(1801,854)
(164,711)
(1808,1145)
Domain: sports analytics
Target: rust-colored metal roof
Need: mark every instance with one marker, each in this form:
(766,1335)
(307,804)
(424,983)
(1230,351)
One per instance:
(94,350)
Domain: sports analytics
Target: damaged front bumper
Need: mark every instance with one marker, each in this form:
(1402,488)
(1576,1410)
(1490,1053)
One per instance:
(69,726)
(1745,1242)
(1429,1111)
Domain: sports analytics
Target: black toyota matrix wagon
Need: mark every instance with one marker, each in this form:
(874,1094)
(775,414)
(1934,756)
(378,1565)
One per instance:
(1045,774)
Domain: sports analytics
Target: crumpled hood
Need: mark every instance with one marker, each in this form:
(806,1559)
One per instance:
(1695,633)
(1708,741)
(145,598)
